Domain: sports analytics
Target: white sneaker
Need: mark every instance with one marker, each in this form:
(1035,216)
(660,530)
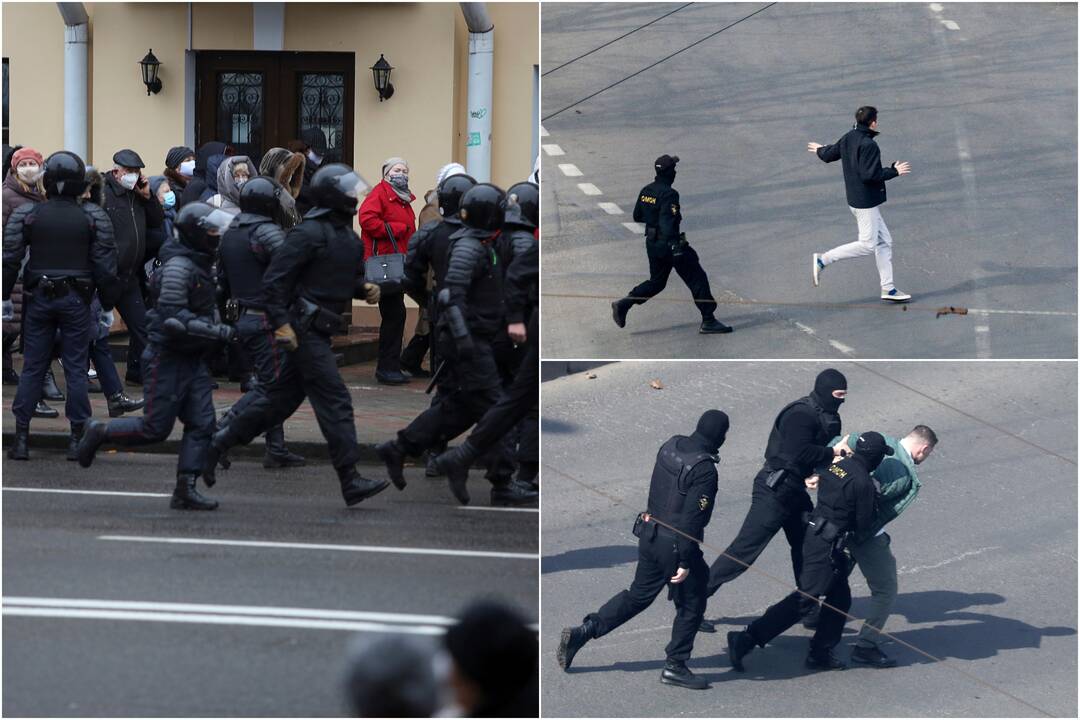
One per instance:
(815,260)
(895,295)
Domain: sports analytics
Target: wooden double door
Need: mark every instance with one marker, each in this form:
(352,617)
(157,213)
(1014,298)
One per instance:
(258,100)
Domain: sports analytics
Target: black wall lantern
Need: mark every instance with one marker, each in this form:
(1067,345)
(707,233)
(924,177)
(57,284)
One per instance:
(381,72)
(150,65)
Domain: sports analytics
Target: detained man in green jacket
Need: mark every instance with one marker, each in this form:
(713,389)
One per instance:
(897,487)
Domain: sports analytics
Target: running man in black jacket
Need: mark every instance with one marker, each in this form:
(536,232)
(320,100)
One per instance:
(864,179)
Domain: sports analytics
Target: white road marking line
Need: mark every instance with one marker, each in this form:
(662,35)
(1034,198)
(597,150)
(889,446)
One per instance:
(957,558)
(543,131)
(322,546)
(86,492)
(292,612)
(553,150)
(847,350)
(985,311)
(936,7)
(610,208)
(806,328)
(950,25)
(589,189)
(497,509)
(634,227)
(570,170)
(982,328)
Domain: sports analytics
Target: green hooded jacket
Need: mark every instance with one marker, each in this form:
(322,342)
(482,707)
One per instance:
(897,484)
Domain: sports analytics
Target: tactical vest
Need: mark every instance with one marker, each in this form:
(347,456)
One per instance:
(831,503)
(828,428)
(243,268)
(330,278)
(669,485)
(439,243)
(59,235)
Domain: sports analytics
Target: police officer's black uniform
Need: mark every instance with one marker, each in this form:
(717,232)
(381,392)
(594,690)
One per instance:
(519,402)
(658,207)
(309,284)
(71,252)
(798,443)
(845,506)
(246,251)
(682,494)
(183,329)
(470,315)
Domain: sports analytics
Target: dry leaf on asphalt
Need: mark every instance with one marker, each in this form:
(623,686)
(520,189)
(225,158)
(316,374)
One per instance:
(656,385)
(590,376)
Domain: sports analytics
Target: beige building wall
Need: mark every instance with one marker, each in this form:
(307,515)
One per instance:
(33,38)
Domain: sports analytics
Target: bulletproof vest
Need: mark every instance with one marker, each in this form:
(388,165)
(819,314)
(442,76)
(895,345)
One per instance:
(329,279)
(828,428)
(485,296)
(202,295)
(670,483)
(832,502)
(439,245)
(244,269)
(649,199)
(59,236)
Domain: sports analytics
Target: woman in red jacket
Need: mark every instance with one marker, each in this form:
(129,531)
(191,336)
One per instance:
(387,222)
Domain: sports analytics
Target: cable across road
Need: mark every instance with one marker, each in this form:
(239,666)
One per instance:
(612,42)
(933,658)
(661,60)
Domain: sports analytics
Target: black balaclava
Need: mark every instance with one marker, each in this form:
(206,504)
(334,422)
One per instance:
(665,168)
(827,381)
(871,449)
(712,429)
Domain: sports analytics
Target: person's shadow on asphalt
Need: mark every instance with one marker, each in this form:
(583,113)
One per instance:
(606,556)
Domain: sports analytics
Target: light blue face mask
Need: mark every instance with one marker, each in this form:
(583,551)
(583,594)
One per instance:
(169,200)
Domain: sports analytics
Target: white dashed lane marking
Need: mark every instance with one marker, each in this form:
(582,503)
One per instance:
(936,7)
(636,228)
(114,493)
(950,25)
(846,349)
(610,208)
(553,150)
(589,189)
(543,131)
(570,170)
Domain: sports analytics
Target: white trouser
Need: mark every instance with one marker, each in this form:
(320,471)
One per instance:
(874,239)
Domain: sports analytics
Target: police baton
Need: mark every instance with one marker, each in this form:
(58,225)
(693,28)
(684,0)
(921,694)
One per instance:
(435,377)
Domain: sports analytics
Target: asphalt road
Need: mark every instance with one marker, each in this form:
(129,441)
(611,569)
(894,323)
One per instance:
(980,98)
(986,555)
(247,657)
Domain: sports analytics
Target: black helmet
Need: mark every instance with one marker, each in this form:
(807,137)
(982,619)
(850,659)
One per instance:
(337,187)
(261,196)
(199,226)
(482,207)
(523,205)
(65,174)
(450,191)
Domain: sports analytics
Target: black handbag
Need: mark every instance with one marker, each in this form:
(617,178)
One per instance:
(388,268)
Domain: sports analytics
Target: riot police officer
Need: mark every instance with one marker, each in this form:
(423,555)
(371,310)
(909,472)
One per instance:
(246,251)
(845,506)
(519,402)
(310,283)
(71,253)
(470,315)
(681,495)
(658,207)
(183,329)
(798,443)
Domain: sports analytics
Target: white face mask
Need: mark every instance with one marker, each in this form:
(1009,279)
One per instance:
(129,180)
(314,157)
(29,174)
(187,168)
(240,182)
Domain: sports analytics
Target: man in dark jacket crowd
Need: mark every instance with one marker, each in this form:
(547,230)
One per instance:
(864,181)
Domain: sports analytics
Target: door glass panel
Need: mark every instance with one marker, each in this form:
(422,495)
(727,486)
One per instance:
(321,104)
(239,112)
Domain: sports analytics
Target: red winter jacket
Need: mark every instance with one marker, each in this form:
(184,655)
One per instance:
(382,205)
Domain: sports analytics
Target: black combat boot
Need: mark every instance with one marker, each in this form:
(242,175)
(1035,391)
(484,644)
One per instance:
(824,660)
(49,389)
(73,441)
(41,410)
(355,487)
(10,376)
(93,436)
(459,458)
(431,468)
(20,449)
(871,656)
(706,626)
(216,455)
(676,673)
(186,497)
(513,492)
(712,326)
(529,473)
(249,383)
(458,479)
(391,453)
(572,640)
(739,645)
(619,308)
(277,455)
(120,403)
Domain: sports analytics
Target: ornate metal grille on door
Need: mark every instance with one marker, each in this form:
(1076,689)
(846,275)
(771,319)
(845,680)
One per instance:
(321,104)
(240,111)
